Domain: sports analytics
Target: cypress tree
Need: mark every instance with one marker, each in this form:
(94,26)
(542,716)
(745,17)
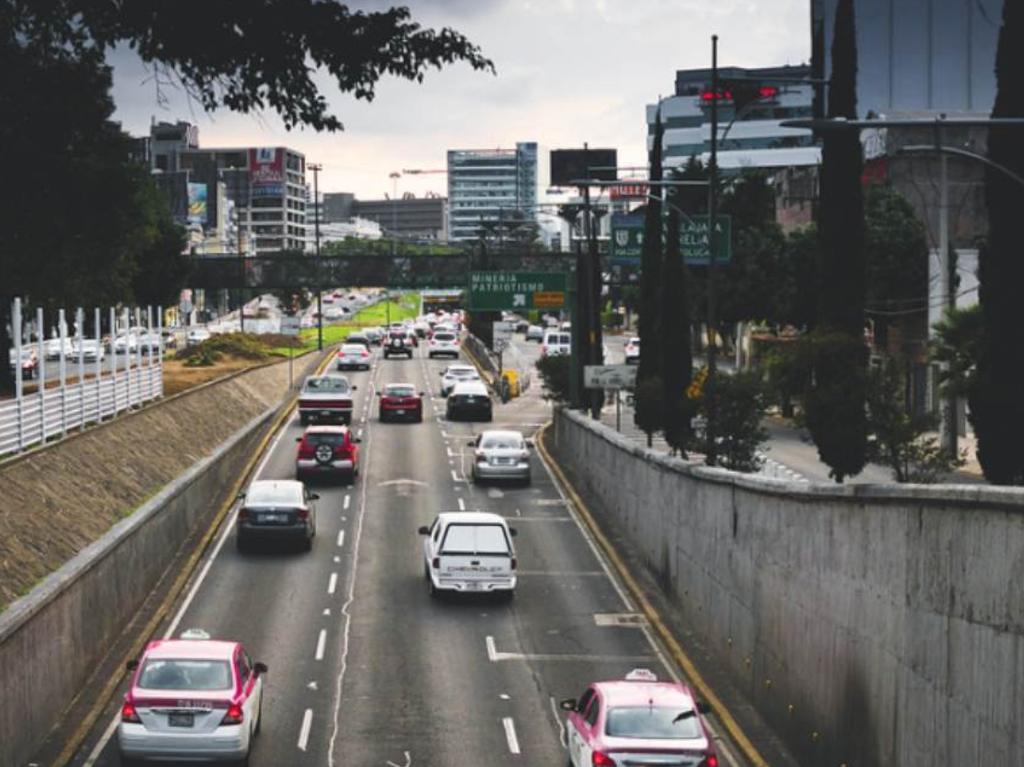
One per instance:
(649,411)
(677,365)
(835,407)
(996,404)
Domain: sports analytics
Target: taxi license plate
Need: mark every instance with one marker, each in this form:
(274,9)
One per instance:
(180,719)
(325,412)
(399,412)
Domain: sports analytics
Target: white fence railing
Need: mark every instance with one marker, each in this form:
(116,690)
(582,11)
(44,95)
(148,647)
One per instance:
(100,388)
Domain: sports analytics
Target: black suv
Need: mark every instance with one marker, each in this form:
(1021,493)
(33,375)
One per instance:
(397,344)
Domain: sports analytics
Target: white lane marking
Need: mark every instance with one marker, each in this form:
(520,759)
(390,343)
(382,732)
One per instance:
(455,477)
(558,721)
(462,505)
(451,453)
(510,734)
(406,756)
(332,583)
(345,503)
(307,723)
(492,651)
(321,643)
(341,537)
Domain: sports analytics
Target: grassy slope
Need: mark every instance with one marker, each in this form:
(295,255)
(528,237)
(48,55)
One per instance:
(405,306)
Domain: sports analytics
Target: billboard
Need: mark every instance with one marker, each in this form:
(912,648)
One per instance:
(266,172)
(197,211)
(568,165)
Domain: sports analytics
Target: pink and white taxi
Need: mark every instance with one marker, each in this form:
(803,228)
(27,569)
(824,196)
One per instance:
(638,721)
(191,699)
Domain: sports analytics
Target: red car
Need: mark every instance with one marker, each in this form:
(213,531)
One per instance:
(401,400)
(638,720)
(327,451)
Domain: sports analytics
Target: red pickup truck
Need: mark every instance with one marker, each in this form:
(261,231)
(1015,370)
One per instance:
(326,398)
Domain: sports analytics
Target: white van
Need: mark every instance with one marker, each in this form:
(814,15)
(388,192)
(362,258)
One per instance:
(555,342)
(469,552)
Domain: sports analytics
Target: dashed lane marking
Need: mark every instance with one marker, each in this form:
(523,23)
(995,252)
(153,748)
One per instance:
(510,734)
(341,537)
(332,583)
(307,724)
(321,643)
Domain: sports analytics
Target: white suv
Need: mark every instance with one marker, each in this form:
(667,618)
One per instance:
(443,342)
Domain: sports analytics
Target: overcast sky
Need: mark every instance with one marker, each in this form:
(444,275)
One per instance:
(568,71)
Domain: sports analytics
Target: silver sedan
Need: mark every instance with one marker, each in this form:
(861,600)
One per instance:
(501,455)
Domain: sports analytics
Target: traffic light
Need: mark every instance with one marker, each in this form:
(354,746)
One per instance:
(740,93)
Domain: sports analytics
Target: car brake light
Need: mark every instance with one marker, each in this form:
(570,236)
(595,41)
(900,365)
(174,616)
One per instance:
(601,759)
(366,353)
(234,715)
(243,514)
(302,513)
(515,563)
(436,563)
(129,714)
(710,761)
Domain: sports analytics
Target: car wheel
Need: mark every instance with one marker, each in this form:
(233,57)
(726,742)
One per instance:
(303,419)
(241,544)
(527,481)
(307,543)
(244,761)
(259,718)
(127,761)
(508,595)
(489,417)
(419,417)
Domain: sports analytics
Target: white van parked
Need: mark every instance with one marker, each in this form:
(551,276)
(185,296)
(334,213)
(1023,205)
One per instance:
(555,342)
(469,552)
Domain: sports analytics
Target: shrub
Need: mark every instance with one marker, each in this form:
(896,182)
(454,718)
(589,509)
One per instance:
(554,373)
(740,406)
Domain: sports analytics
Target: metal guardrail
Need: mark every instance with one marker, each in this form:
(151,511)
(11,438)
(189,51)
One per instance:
(54,410)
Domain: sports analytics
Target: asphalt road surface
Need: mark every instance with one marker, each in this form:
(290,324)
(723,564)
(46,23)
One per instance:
(364,667)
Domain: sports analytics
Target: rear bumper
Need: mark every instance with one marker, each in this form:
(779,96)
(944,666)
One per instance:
(312,468)
(482,586)
(316,414)
(225,743)
(489,471)
(443,353)
(269,531)
(470,411)
(353,364)
(411,412)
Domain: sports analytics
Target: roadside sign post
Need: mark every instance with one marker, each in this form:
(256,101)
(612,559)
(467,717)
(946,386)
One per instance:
(613,377)
(501,337)
(290,327)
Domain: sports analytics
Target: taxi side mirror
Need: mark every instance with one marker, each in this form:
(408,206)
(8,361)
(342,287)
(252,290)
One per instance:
(298,439)
(357,439)
(703,708)
(424,530)
(530,443)
(380,394)
(131,665)
(472,443)
(259,668)
(569,704)
(423,394)
(354,387)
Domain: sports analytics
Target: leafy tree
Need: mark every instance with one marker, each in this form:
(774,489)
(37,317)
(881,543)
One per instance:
(248,57)
(554,373)
(899,438)
(797,295)
(787,375)
(957,344)
(835,408)
(677,363)
(896,258)
(649,411)
(740,408)
(996,405)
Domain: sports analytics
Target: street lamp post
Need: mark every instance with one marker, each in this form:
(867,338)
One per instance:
(711,454)
(316,168)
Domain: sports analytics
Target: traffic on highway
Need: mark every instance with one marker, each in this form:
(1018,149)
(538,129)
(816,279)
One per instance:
(398,586)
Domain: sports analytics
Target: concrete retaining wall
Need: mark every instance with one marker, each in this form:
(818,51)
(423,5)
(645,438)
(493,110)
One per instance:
(51,639)
(890,618)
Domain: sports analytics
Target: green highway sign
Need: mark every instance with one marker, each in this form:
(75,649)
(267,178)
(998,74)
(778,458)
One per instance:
(694,236)
(495,291)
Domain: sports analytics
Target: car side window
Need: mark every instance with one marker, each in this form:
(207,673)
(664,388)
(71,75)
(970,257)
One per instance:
(590,717)
(244,667)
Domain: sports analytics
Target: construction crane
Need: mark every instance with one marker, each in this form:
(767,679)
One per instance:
(422,171)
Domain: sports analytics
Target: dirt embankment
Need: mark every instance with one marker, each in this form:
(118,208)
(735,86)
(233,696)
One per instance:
(56,501)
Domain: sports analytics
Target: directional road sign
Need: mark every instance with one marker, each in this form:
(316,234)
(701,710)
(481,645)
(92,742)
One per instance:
(694,239)
(495,291)
(290,326)
(609,376)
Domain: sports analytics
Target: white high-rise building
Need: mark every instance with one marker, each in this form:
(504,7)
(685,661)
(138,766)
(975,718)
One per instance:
(489,187)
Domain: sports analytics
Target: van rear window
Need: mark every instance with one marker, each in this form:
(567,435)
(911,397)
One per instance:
(475,539)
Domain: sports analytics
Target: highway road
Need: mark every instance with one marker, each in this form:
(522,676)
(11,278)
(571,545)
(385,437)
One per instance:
(364,667)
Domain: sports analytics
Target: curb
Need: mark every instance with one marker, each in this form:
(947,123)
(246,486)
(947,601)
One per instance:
(655,620)
(105,695)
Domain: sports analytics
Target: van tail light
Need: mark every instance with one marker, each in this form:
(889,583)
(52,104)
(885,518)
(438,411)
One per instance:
(302,513)
(306,450)
(601,759)
(234,715)
(436,563)
(129,714)
(515,563)
(709,761)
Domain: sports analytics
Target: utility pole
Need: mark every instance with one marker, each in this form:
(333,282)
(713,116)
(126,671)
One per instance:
(316,168)
(711,456)
(949,434)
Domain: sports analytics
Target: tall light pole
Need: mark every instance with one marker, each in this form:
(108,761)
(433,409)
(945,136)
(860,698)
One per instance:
(316,168)
(711,449)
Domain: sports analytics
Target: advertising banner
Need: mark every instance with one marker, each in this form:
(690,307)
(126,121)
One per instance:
(197,213)
(266,171)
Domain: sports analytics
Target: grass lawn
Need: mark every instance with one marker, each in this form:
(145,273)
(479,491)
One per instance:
(402,307)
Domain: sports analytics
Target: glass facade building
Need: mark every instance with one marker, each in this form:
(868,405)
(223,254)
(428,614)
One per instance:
(487,187)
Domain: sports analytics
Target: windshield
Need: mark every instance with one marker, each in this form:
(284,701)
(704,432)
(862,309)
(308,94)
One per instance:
(353,349)
(444,336)
(506,442)
(185,675)
(462,373)
(335,440)
(652,722)
(400,391)
(475,539)
(327,384)
(273,494)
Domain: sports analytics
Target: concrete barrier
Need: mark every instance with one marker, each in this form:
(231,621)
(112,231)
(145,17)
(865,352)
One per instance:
(51,639)
(869,624)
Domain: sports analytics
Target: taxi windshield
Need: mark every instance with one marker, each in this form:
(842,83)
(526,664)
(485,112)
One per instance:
(185,675)
(327,384)
(652,722)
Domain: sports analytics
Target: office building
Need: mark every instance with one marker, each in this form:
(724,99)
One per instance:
(487,187)
(751,137)
(408,218)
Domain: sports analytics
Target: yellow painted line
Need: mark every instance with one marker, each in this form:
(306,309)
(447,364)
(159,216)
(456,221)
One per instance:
(653,617)
(74,743)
